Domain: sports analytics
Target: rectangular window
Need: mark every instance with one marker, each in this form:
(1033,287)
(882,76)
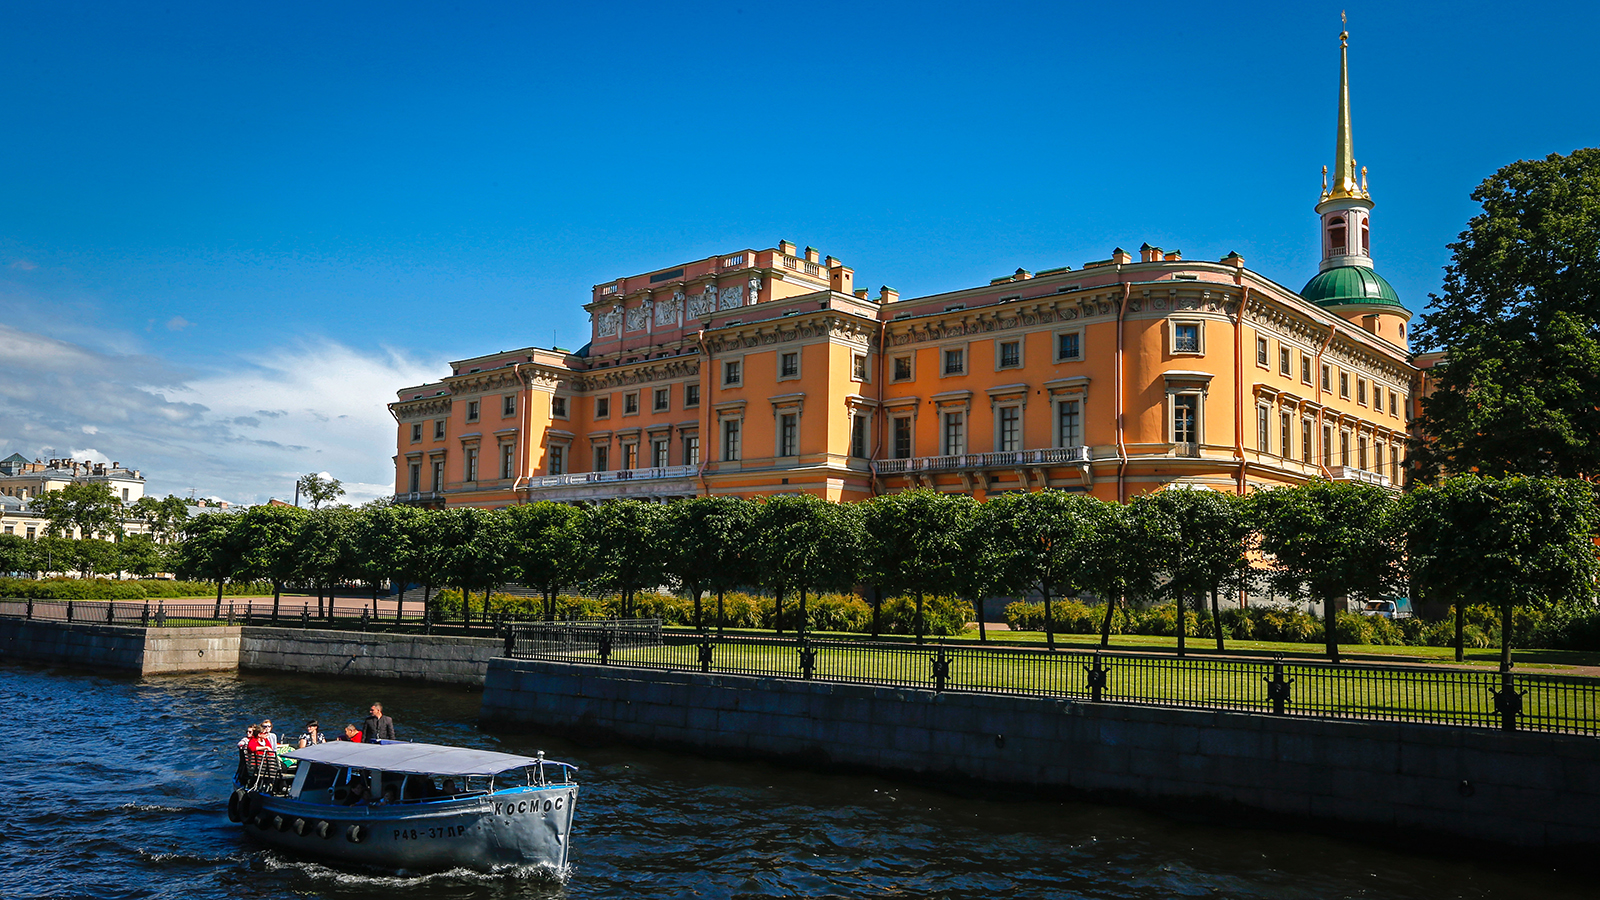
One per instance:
(1394,463)
(691,450)
(1285,436)
(858,367)
(1069,346)
(558,460)
(1010,429)
(858,435)
(1186,337)
(1069,432)
(415,479)
(1261,353)
(1305,442)
(508,405)
(1185,419)
(472,410)
(602,407)
(1344,448)
(1305,372)
(1377,458)
(470,472)
(1262,429)
(902,368)
(508,461)
(602,458)
(1394,409)
(1327,380)
(691,396)
(1361,453)
(955,434)
(1361,391)
(658,453)
(630,457)
(1327,445)
(789,365)
(416,433)
(661,400)
(1344,385)
(730,439)
(788,438)
(33,531)
(730,373)
(438,475)
(902,437)
(630,403)
(438,430)
(955,361)
(1010,354)
(558,407)
(1283,365)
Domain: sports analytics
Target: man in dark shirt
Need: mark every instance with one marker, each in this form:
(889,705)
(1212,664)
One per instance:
(377,726)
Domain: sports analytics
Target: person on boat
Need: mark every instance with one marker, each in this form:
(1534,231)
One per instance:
(253,742)
(377,726)
(352,734)
(268,735)
(313,735)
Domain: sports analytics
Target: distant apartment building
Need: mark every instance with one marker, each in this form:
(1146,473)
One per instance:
(22,480)
(758,372)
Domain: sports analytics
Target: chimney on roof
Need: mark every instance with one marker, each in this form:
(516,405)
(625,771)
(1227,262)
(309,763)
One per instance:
(812,256)
(862,293)
(1021,275)
(1234,259)
(887,294)
(1173,256)
(1148,253)
(1121,257)
(841,278)
(786,247)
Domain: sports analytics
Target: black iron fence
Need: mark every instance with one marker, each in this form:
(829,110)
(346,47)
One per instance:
(1425,694)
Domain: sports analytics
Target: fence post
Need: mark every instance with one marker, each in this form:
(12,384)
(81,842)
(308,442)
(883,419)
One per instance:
(1278,688)
(941,670)
(230,612)
(69,610)
(511,643)
(305,616)
(603,645)
(364,618)
(111,609)
(427,622)
(707,648)
(144,617)
(1507,702)
(161,615)
(808,657)
(249,612)
(30,608)
(1097,679)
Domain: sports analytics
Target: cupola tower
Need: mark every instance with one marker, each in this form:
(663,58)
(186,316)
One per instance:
(1346,284)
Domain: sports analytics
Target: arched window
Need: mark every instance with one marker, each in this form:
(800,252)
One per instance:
(1336,241)
(1366,239)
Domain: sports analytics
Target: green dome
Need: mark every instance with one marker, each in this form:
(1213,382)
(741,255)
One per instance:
(1350,285)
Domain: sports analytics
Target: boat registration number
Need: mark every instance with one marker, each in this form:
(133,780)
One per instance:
(417,834)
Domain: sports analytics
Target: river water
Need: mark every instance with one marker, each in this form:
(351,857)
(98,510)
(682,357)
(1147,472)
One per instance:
(116,787)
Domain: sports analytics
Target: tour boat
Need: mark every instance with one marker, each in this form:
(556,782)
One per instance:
(410,806)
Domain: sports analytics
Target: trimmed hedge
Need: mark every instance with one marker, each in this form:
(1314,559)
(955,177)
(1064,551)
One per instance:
(112,589)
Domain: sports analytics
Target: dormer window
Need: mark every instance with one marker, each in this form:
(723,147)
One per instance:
(1336,241)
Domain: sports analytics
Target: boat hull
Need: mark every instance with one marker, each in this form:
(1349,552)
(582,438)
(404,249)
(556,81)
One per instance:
(526,826)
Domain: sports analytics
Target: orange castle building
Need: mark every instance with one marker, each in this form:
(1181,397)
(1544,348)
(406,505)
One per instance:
(757,372)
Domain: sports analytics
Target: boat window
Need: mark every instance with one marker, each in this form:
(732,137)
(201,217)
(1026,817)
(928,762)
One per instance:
(320,777)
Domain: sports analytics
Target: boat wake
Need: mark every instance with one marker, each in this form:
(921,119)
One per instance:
(321,872)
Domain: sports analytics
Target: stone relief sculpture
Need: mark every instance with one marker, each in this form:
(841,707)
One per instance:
(606,322)
(667,310)
(755,290)
(704,304)
(732,297)
(638,317)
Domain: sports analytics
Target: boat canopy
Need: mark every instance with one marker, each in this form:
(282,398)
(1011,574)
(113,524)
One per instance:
(418,759)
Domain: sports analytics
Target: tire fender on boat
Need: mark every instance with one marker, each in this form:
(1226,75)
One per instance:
(280,823)
(355,834)
(250,805)
(263,821)
(235,814)
(300,827)
(325,829)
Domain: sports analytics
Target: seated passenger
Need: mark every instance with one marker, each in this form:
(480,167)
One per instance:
(351,733)
(449,788)
(312,736)
(391,794)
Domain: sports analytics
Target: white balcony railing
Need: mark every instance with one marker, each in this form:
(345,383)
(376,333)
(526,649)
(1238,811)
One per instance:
(577,478)
(1351,473)
(1005,459)
(418,496)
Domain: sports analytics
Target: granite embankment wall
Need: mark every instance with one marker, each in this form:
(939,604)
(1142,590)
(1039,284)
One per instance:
(442,658)
(1530,790)
(148,651)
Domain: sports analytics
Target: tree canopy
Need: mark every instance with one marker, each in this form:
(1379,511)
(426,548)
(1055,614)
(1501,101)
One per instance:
(1518,391)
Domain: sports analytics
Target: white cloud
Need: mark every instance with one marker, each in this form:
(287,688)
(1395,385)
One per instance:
(242,429)
(178,323)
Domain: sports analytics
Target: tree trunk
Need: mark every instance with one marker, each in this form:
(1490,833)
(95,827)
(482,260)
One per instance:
(918,627)
(217,614)
(1105,626)
(877,607)
(466,607)
(983,636)
(1330,619)
(804,625)
(1506,624)
(1216,619)
(399,599)
(277,590)
(1049,621)
(721,618)
(1461,625)
(699,622)
(427,599)
(1182,610)
(777,612)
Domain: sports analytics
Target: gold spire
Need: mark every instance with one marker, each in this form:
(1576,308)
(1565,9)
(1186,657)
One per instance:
(1345,183)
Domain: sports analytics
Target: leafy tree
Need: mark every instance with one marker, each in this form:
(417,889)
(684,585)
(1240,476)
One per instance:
(90,507)
(92,557)
(1045,536)
(324,546)
(428,562)
(1199,543)
(164,517)
(729,525)
(16,554)
(1331,540)
(212,550)
(142,555)
(268,536)
(910,545)
(1519,391)
(979,567)
(476,548)
(1117,563)
(796,533)
(547,548)
(317,489)
(1520,541)
(627,540)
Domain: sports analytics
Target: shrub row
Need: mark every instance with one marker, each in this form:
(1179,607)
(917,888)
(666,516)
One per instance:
(110,589)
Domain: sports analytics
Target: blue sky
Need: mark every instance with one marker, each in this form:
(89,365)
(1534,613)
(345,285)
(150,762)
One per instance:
(228,232)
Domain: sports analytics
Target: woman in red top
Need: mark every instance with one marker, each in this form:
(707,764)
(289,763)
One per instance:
(255,741)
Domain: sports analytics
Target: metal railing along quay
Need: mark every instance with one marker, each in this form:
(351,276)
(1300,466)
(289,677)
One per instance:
(1419,694)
